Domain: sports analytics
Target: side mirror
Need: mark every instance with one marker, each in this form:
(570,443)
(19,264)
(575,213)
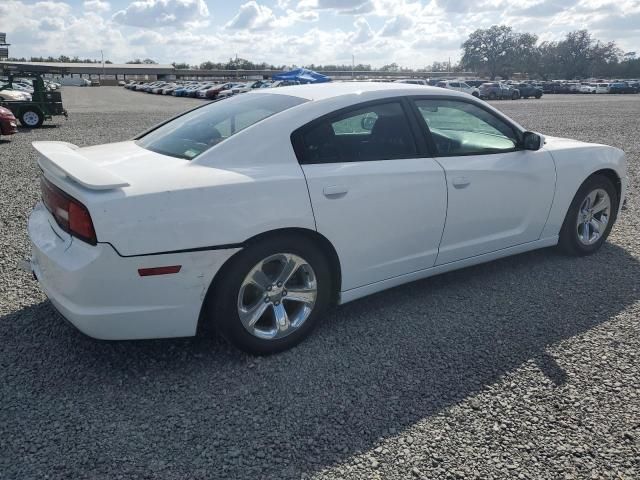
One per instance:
(531,141)
(367,122)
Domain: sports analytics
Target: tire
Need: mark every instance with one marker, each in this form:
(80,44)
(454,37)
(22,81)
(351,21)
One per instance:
(492,96)
(515,96)
(476,94)
(31,118)
(538,96)
(234,291)
(573,233)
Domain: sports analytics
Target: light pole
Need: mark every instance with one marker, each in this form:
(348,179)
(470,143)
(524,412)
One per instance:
(102,57)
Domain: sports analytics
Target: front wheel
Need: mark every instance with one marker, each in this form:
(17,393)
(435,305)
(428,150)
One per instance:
(31,118)
(590,217)
(271,295)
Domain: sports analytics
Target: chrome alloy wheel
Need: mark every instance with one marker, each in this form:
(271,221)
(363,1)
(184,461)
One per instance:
(31,118)
(277,296)
(593,216)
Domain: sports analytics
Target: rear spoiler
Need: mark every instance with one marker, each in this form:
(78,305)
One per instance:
(62,159)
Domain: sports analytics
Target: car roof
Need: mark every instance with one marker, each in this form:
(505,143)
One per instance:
(324,91)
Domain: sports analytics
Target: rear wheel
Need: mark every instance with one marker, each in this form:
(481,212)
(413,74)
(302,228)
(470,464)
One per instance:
(31,118)
(590,217)
(515,96)
(272,295)
(492,96)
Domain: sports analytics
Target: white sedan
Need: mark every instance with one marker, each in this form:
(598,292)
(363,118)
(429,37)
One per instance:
(256,213)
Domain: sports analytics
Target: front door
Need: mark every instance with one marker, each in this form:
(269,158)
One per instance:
(499,195)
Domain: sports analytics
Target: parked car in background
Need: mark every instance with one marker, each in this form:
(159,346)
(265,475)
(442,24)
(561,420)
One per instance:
(132,84)
(95,82)
(622,87)
(412,81)
(602,88)
(554,87)
(497,91)
(573,87)
(528,90)
(267,196)
(459,87)
(234,89)
(588,88)
(23,86)
(200,88)
(184,91)
(475,83)
(74,82)
(213,91)
(8,122)
(158,88)
(168,89)
(634,86)
(9,95)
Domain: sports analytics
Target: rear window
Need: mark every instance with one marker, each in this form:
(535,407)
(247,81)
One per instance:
(198,130)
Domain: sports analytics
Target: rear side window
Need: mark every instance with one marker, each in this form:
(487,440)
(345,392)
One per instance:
(376,132)
(197,131)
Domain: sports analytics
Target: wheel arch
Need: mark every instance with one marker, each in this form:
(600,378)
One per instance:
(318,239)
(611,175)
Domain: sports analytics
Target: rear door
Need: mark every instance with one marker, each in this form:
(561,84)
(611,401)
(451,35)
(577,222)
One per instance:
(376,195)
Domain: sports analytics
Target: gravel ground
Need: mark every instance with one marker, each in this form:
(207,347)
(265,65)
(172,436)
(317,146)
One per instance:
(526,367)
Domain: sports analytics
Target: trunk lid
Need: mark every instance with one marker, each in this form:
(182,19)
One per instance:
(103,167)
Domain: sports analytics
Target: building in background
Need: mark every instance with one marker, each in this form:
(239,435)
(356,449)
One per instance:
(4,47)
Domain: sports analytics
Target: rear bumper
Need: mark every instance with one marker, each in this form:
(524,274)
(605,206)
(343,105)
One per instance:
(102,294)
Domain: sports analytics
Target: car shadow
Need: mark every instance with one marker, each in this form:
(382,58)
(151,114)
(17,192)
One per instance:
(44,126)
(373,368)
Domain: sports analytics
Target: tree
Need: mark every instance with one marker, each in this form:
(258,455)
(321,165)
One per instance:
(574,54)
(489,50)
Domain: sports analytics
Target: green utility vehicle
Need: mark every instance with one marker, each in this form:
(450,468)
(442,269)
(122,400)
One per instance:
(44,104)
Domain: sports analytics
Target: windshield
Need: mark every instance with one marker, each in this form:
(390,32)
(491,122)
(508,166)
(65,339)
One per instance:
(198,130)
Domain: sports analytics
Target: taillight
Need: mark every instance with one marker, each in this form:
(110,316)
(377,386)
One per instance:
(71,215)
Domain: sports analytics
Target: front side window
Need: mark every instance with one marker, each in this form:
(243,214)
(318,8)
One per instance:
(376,132)
(461,128)
(191,134)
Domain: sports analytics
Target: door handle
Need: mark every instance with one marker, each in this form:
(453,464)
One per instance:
(335,190)
(460,182)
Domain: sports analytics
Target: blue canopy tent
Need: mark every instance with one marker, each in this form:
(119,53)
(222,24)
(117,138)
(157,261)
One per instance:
(302,75)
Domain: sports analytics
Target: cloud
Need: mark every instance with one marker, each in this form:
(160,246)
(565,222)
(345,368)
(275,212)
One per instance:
(162,13)
(363,32)
(412,33)
(97,6)
(252,16)
(344,7)
(396,26)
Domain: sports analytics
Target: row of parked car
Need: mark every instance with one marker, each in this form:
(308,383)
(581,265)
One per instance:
(205,90)
(601,86)
(483,89)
